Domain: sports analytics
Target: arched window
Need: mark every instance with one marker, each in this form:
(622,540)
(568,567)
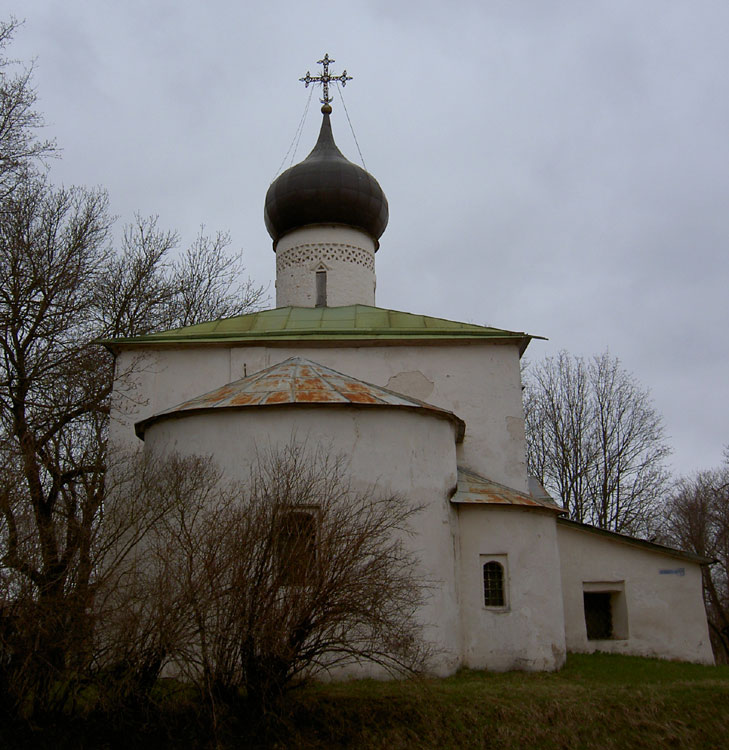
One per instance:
(493,584)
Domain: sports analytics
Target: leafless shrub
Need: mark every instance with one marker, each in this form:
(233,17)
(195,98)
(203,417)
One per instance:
(140,617)
(286,576)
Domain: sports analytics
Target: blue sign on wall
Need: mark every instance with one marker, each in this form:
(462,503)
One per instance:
(672,571)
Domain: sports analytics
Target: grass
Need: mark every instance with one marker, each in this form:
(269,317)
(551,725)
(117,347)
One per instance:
(596,701)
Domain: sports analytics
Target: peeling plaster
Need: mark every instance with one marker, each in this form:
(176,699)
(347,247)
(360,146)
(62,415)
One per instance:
(515,427)
(412,383)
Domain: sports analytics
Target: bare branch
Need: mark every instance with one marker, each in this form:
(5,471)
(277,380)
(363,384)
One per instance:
(698,520)
(595,440)
(20,149)
(288,575)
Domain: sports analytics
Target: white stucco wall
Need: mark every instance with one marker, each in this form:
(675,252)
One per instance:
(528,633)
(347,255)
(478,382)
(399,452)
(665,611)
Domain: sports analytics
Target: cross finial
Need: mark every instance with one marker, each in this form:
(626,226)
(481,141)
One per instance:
(325,79)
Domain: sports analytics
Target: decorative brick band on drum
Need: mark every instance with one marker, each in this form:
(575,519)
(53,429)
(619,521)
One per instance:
(310,252)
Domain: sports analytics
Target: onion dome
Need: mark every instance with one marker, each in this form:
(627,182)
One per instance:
(325,188)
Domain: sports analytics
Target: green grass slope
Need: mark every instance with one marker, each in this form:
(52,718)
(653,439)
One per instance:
(596,701)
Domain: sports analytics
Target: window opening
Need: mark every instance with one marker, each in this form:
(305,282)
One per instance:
(598,615)
(493,584)
(606,610)
(321,289)
(295,546)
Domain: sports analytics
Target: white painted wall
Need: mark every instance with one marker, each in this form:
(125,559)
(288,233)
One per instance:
(665,612)
(529,633)
(415,454)
(478,382)
(400,452)
(347,255)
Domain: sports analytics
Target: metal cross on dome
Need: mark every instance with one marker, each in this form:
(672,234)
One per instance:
(325,79)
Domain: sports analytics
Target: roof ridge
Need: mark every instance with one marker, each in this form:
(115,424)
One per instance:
(359,380)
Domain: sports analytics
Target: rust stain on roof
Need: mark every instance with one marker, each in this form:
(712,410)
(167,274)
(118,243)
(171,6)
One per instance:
(358,397)
(241,399)
(314,397)
(300,381)
(277,397)
(356,386)
(215,396)
(476,489)
(222,392)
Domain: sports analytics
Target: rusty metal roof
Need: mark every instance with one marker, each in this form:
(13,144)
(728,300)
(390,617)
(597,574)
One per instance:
(299,381)
(323,326)
(476,489)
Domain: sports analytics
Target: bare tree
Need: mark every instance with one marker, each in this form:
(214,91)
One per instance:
(595,440)
(142,290)
(206,283)
(20,149)
(61,286)
(698,520)
(286,575)
(52,249)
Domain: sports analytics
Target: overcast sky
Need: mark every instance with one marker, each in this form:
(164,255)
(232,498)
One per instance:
(558,167)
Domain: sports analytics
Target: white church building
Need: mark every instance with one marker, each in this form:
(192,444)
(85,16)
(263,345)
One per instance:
(424,407)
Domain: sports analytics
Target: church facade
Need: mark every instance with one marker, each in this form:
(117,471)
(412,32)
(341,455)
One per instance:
(423,407)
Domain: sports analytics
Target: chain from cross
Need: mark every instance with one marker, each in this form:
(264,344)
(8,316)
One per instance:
(325,79)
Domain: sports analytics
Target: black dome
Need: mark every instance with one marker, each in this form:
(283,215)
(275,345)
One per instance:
(325,188)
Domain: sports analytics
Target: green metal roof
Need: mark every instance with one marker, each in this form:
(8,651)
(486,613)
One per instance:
(317,324)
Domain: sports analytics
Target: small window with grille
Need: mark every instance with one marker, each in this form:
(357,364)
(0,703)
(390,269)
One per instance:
(493,584)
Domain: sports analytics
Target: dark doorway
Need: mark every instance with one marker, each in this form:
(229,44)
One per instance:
(598,615)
